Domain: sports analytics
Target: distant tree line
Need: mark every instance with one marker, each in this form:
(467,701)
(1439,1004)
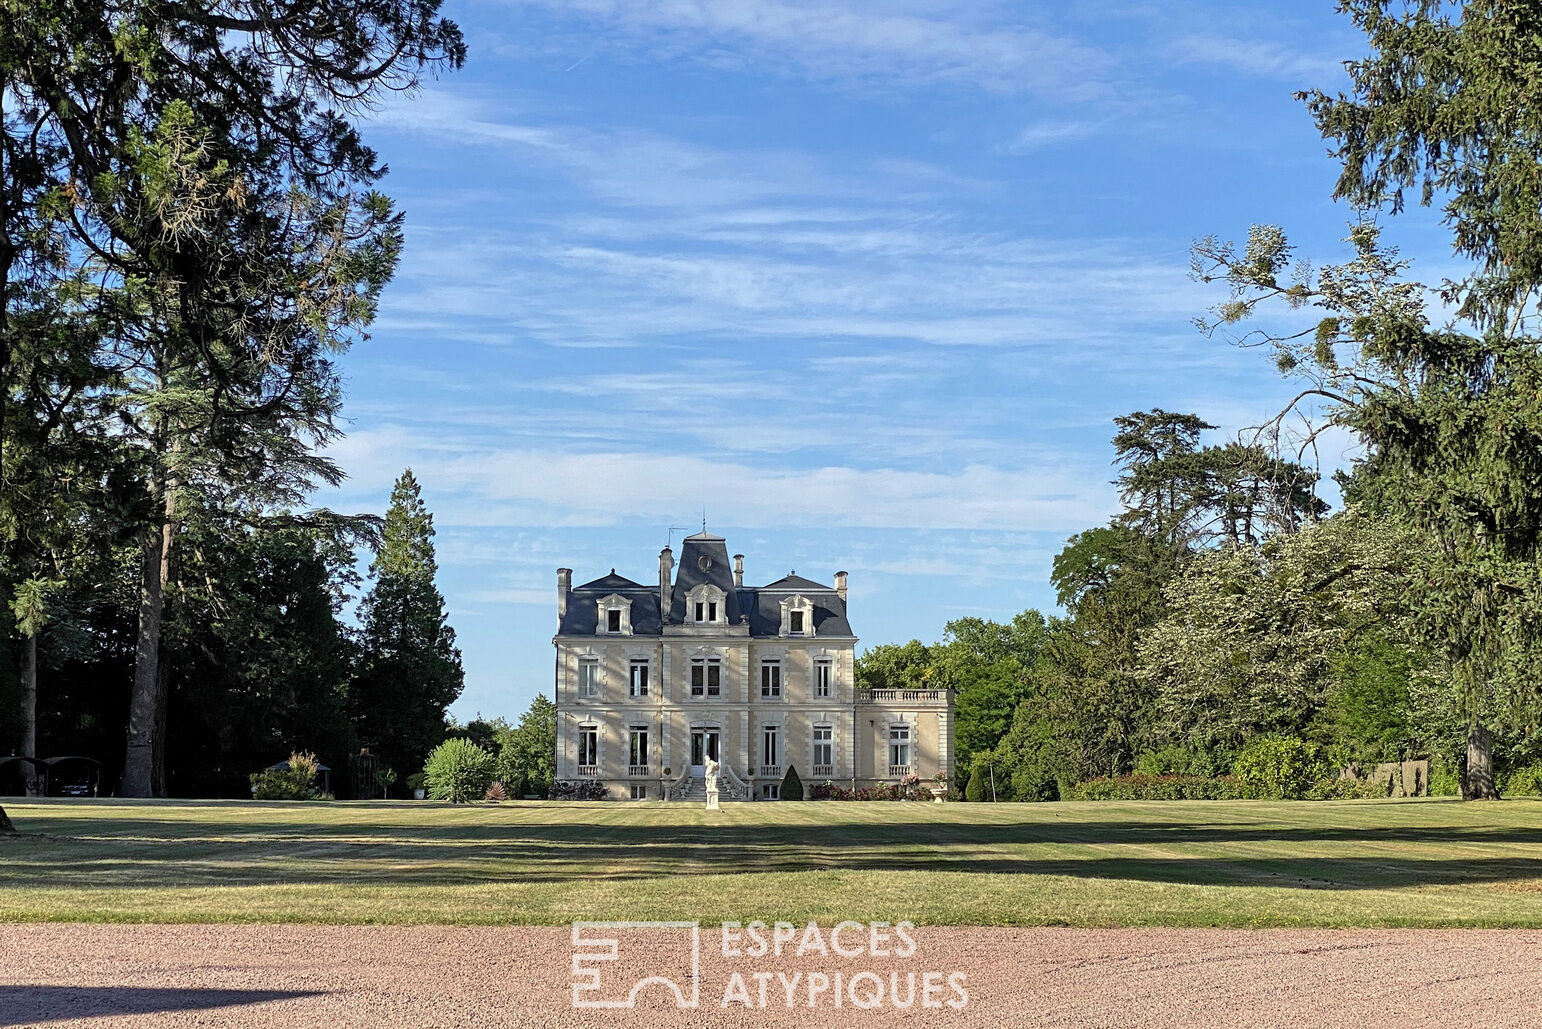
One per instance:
(258,655)
(1224,604)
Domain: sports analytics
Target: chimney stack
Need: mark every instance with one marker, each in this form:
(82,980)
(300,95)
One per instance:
(666,566)
(564,587)
(738,569)
(840,586)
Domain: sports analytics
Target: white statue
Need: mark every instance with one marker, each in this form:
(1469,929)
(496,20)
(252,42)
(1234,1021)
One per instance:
(711,780)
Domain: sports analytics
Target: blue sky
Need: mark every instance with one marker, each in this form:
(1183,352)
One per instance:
(866,282)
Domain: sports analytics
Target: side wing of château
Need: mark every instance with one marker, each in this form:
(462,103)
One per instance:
(651,680)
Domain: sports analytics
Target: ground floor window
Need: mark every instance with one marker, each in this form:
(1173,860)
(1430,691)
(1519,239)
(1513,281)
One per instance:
(771,747)
(771,791)
(899,749)
(638,750)
(639,791)
(588,746)
(824,749)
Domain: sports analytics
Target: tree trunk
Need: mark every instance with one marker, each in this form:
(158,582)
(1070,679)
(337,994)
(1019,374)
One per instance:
(29,697)
(1478,776)
(147,702)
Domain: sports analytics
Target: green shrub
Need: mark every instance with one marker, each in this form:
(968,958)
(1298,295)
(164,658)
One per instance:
(1159,787)
(1523,782)
(417,781)
(792,786)
(293,783)
(1279,767)
(1331,787)
(978,789)
(458,771)
(1175,760)
(1443,781)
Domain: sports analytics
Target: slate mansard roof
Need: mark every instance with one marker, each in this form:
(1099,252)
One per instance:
(704,559)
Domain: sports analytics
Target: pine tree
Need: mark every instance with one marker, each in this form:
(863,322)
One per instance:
(411,667)
(183,179)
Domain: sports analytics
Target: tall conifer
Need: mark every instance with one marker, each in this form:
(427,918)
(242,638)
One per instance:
(411,668)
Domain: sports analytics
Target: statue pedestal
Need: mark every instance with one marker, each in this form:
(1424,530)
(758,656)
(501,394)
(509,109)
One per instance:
(712,800)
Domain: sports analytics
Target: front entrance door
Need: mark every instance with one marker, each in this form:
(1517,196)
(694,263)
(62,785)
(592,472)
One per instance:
(703,746)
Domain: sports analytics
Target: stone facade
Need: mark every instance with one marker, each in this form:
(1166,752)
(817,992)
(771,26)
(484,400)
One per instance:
(651,680)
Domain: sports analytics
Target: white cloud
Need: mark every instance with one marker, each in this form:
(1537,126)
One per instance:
(502,486)
(1259,58)
(824,41)
(1042,134)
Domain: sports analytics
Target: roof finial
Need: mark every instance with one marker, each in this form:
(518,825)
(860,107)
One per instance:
(704,519)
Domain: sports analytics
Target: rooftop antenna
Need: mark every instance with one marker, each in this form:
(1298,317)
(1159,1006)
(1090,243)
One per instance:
(669,540)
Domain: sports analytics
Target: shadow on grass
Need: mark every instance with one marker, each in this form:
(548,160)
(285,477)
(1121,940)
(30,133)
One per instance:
(131,853)
(30,1005)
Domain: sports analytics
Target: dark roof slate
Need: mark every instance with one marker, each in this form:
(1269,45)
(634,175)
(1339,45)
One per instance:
(794,581)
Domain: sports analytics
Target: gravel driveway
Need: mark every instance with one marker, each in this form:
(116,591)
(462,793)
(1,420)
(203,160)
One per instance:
(235,975)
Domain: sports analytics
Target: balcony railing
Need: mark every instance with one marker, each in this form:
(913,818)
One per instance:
(588,771)
(868,696)
(822,770)
(637,770)
(899,771)
(770,770)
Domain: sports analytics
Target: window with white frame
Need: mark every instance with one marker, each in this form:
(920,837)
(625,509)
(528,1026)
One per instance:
(771,746)
(770,678)
(706,677)
(589,677)
(899,746)
(639,677)
(797,616)
(824,749)
(637,749)
(639,791)
(706,605)
(588,746)
(824,674)
(615,615)
(771,791)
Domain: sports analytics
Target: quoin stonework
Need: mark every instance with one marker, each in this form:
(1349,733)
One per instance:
(653,680)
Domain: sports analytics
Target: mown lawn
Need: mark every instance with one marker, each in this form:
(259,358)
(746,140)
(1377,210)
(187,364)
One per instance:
(1350,863)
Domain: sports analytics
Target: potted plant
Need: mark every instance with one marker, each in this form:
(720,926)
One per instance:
(417,783)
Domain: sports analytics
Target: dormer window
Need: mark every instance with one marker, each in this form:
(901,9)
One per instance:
(797,616)
(706,605)
(615,615)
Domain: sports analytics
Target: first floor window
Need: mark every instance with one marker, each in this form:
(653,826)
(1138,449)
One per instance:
(824,745)
(588,678)
(706,678)
(899,746)
(771,679)
(639,678)
(822,679)
(588,745)
(771,745)
(639,745)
